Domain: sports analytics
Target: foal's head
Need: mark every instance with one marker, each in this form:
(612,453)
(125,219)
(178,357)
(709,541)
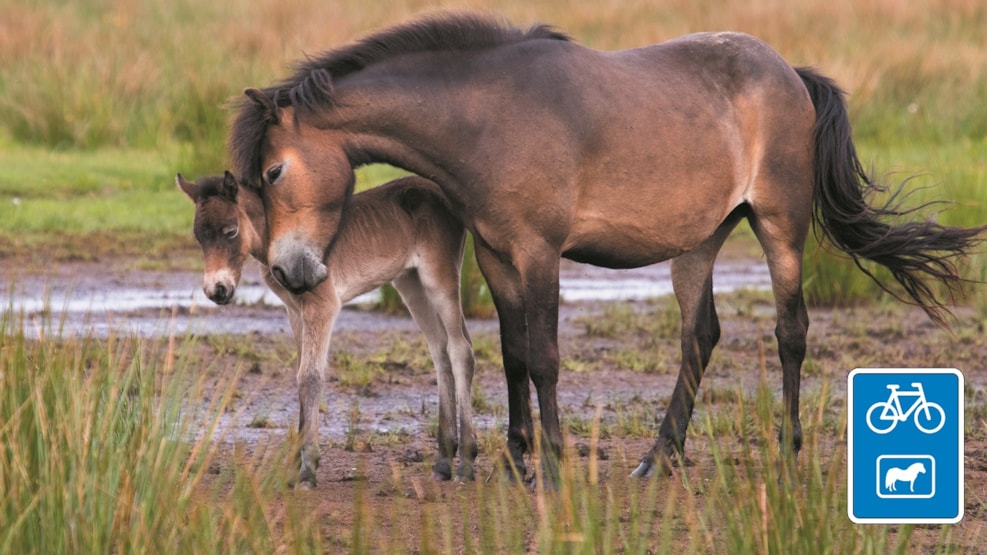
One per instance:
(305,180)
(217,228)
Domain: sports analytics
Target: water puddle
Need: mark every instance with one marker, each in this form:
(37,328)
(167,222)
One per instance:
(156,303)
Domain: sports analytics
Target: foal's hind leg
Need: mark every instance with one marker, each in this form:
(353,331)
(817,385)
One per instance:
(692,280)
(441,283)
(415,297)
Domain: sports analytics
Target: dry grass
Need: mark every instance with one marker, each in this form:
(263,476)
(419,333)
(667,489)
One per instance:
(130,72)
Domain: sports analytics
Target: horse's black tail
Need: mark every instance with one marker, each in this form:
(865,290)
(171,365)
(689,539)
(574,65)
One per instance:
(912,251)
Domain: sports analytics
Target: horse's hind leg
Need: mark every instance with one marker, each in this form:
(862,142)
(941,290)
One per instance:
(783,238)
(692,281)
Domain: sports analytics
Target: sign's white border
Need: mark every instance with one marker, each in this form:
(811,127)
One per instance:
(849,434)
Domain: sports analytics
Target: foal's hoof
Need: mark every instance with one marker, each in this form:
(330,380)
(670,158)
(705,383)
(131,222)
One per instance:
(305,480)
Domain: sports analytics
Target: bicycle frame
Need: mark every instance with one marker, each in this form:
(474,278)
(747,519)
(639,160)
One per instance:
(895,397)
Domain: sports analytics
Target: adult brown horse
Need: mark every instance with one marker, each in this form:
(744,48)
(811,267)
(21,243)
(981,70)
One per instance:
(546,148)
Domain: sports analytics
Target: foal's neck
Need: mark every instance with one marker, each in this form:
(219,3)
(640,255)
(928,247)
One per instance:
(253,225)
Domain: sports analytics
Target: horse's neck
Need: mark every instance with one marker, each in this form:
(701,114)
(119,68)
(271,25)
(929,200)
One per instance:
(410,126)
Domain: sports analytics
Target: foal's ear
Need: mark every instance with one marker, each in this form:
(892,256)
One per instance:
(229,187)
(187,187)
(271,111)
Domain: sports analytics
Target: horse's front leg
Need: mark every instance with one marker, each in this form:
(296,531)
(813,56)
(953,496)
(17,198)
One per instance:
(529,336)
(318,313)
(505,288)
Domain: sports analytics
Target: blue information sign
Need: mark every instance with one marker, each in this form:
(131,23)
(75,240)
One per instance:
(905,445)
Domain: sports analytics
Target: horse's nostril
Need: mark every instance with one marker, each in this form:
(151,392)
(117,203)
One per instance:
(279,275)
(221,291)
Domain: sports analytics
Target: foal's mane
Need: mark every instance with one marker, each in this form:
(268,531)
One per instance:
(309,88)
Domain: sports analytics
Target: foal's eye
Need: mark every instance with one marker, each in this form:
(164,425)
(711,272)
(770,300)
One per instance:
(231,231)
(274,173)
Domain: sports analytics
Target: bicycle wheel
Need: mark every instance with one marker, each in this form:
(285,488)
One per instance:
(936,420)
(882,425)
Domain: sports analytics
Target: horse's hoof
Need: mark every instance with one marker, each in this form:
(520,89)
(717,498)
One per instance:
(644,470)
(514,471)
(548,483)
(465,473)
(651,466)
(442,471)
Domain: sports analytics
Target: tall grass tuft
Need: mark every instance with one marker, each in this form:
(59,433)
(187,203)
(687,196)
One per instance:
(98,452)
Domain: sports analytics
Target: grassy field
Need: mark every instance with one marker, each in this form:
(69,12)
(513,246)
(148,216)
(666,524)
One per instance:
(102,102)
(101,449)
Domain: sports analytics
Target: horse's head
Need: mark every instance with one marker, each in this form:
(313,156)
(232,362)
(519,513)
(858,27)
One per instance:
(217,228)
(304,178)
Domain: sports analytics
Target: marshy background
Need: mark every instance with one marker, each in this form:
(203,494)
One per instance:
(107,440)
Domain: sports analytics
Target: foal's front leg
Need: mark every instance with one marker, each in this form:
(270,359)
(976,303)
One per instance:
(318,312)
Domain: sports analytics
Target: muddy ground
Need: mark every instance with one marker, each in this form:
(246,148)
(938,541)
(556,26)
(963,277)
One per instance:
(619,358)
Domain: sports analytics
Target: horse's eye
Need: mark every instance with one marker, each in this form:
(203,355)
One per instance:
(231,231)
(274,173)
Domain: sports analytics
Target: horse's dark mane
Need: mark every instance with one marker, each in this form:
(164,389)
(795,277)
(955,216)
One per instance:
(310,86)
(450,31)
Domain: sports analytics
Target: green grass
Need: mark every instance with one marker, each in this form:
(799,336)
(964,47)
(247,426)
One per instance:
(101,103)
(95,454)
(954,174)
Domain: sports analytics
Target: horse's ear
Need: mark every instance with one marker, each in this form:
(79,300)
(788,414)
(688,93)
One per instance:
(229,187)
(187,187)
(271,111)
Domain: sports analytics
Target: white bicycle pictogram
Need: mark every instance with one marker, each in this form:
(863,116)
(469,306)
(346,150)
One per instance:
(890,411)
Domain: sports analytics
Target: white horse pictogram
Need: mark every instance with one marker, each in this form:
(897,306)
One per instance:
(909,475)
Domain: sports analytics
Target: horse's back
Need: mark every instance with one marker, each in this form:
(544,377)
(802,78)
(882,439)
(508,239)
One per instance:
(698,121)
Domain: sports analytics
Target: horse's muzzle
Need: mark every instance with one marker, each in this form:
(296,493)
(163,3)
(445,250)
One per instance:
(301,274)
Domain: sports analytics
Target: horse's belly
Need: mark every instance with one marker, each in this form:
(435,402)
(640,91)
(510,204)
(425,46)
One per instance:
(635,234)
(609,256)
(625,246)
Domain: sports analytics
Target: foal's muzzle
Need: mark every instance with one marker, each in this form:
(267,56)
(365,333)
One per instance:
(220,293)
(219,286)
